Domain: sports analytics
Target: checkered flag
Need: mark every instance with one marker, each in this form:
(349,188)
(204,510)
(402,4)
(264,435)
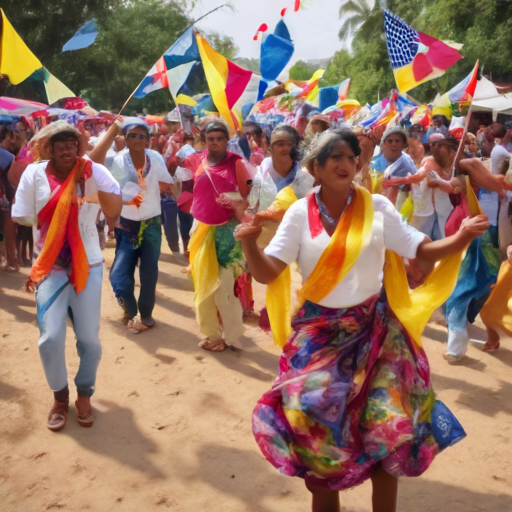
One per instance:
(401,39)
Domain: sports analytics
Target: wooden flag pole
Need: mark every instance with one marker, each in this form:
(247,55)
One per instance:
(458,156)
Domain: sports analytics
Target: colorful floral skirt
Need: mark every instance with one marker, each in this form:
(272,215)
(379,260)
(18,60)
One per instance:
(353,392)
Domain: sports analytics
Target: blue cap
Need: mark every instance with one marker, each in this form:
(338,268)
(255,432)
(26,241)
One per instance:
(130,123)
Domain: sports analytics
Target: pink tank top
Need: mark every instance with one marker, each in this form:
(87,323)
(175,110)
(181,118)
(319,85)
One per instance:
(223,175)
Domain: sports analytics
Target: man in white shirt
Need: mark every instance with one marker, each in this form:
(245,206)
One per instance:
(143,176)
(400,164)
(500,161)
(62,197)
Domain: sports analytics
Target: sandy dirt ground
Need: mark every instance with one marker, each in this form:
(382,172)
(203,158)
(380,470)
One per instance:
(173,428)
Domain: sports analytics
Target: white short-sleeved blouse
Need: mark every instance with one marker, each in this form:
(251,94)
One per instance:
(34,192)
(293,242)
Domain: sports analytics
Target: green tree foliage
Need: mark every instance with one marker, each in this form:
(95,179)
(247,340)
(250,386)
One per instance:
(483,26)
(302,71)
(133,35)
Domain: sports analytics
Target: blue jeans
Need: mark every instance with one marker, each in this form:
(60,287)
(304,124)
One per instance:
(122,273)
(170,215)
(55,300)
(428,225)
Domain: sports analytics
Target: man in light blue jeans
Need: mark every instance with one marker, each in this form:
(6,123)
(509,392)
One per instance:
(61,197)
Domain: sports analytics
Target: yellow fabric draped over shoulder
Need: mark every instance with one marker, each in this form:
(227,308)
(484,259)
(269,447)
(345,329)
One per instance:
(204,256)
(285,198)
(414,308)
(278,298)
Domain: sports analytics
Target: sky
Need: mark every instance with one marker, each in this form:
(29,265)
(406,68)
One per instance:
(314,28)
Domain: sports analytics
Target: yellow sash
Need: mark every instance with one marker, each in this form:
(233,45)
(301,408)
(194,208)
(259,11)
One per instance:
(203,262)
(407,209)
(278,299)
(377,180)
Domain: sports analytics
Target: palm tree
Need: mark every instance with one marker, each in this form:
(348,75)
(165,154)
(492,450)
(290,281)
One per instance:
(362,15)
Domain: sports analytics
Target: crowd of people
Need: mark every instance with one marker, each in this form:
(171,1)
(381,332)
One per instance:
(386,225)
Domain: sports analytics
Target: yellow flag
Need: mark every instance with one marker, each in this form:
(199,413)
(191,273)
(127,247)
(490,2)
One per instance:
(16,60)
(55,90)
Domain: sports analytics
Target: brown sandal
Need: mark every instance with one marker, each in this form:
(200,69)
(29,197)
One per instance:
(212,346)
(491,347)
(58,416)
(136,326)
(219,346)
(84,421)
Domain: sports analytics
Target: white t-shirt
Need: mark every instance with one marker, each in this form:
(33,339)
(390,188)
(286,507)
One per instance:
(427,201)
(489,201)
(498,155)
(268,177)
(293,242)
(125,173)
(111,154)
(34,193)
(422,198)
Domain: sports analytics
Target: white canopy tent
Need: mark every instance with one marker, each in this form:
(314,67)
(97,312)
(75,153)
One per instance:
(488,99)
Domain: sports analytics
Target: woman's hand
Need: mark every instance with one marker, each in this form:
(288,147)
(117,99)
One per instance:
(475,227)
(507,185)
(509,254)
(235,203)
(394,182)
(271,214)
(367,149)
(470,229)
(417,272)
(247,230)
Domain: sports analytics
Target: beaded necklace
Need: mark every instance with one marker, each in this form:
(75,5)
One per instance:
(325,213)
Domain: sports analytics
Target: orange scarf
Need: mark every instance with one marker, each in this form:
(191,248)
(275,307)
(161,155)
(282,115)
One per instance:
(61,214)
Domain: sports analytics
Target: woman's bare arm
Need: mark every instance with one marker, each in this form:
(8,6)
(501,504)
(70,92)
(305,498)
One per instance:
(481,176)
(470,229)
(242,179)
(263,268)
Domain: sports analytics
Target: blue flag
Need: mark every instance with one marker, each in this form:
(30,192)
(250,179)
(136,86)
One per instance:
(179,69)
(85,36)
(276,51)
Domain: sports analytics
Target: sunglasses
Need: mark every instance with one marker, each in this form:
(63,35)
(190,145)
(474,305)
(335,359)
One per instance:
(137,136)
(65,147)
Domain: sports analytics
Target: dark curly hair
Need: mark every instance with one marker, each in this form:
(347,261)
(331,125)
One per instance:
(216,126)
(296,153)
